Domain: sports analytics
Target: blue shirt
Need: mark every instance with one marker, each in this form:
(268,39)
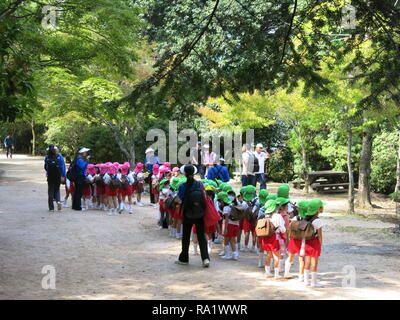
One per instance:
(182,189)
(61,164)
(153,160)
(222,171)
(81,166)
(8,142)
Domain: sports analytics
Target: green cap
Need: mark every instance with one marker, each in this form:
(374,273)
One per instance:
(175,183)
(162,182)
(270,206)
(248,193)
(313,206)
(283,191)
(271,197)
(227,188)
(303,207)
(219,182)
(262,197)
(282,201)
(224,197)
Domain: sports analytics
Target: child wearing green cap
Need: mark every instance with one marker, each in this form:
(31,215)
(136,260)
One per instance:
(283,211)
(271,244)
(296,246)
(247,224)
(313,247)
(231,228)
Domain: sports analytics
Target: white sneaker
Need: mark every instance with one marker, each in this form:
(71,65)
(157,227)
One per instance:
(181,263)
(254,250)
(227,257)
(244,249)
(222,253)
(235,255)
(140,204)
(260,264)
(316,285)
(268,275)
(109,213)
(206,263)
(301,278)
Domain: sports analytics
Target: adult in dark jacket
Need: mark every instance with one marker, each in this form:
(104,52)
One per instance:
(80,163)
(9,145)
(55,171)
(151,159)
(184,196)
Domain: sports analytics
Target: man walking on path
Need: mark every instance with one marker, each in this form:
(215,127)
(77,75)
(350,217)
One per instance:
(9,145)
(262,157)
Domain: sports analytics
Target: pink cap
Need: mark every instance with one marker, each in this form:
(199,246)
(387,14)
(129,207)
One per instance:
(112,170)
(163,169)
(175,169)
(167,164)
(155,168)
(139,167)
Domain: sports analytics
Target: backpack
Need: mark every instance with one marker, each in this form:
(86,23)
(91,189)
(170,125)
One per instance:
(53,168)
(238,213)
(195,202)
(99,180)
(216,175)
(265,227)
(136,182)
(169,203)
(256,164)
(124,182)
(71,173)
(302,229)
(115,183)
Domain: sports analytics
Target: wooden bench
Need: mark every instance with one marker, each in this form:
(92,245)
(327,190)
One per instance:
(298,184)
(332,187)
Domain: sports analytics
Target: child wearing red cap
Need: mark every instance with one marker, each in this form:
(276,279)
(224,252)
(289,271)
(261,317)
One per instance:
(155,185)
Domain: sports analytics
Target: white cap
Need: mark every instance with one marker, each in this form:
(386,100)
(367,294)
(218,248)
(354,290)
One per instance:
(259,145)
(149,150)
(221,159)
(84,150)
(206,146)
(182,169)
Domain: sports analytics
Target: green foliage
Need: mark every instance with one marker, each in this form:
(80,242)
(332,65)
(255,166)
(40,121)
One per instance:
(280,167)
(383,164)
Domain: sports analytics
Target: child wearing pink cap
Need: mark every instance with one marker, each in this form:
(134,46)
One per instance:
(112,185)
(138,185)
(176,172)
(100,186)
(126,189)
(155,185)
(87,190)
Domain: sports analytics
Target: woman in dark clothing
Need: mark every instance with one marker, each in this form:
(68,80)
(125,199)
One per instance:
(55,170)
(191,193)
(80,164)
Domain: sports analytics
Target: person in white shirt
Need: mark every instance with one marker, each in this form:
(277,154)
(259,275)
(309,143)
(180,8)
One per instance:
(271,244)
(248,176)
(209,158)
(262,156)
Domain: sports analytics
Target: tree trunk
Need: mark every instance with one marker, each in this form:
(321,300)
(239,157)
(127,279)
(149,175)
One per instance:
(364,193)
(304,158)
(350,170)
(398,167)
(32,123)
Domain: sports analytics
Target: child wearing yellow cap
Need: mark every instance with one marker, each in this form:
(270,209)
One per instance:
(313,247)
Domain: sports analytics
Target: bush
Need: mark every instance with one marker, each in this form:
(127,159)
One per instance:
(280,165)
(383,164)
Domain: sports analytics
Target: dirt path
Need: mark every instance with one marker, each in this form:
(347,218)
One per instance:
(126,257)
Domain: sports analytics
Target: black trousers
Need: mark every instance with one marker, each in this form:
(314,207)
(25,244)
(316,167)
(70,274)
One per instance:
(53,191)
(9,151)
(187,229)
(152,200)
(77,197)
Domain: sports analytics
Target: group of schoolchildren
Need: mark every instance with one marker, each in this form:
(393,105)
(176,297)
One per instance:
(110,187)
(276,251)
